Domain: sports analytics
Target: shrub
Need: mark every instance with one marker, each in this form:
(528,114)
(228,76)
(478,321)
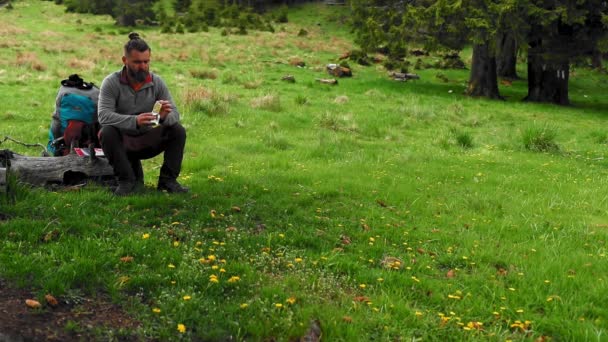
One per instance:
(281,15)
(464,140)
(268,102)
(599,137)
(301,100)
(540,139)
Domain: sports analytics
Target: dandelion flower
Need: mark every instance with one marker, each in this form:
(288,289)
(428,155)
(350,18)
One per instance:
(187,297)
(291,300)
(171,266)
(145,236)
(244,306)
(175,243)
(181,328)
(211,257)
(362,286)
(156,310)
(234,279)
(278,305)
(298,259)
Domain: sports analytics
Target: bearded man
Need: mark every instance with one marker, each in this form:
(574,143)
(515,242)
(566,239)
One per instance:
(129,130)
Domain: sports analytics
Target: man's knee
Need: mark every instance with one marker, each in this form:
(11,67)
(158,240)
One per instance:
(109,134)
(177,132)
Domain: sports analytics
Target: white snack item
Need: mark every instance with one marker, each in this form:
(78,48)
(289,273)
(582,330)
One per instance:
(156,112)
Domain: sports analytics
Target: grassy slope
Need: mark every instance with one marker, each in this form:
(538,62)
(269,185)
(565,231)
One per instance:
(371,162)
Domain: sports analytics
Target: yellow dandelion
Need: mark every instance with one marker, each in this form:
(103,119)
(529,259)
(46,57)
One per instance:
(281,236)
(380,280)
(222,270)
(145,236)
(298,259)
(187,297)
(278,305)
(418,314)
(211,257)
(234,279)
(212,213)
(171,266)
(362,286)
(199,243)
(244,306)
(215,267)
(175,243)
(291,300)
(156,310)
(181,328)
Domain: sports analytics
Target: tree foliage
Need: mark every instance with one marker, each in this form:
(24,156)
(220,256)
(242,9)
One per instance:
(553,31)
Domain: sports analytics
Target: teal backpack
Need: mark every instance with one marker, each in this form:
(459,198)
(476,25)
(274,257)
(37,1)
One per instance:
(74,122)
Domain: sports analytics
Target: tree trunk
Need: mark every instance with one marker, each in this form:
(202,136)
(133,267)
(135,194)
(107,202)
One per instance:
(127,20)
(506,56)
(483,80)
(597,59)
(547,81)
(42,171)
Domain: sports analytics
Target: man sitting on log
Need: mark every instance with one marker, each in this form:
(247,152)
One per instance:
(130,131)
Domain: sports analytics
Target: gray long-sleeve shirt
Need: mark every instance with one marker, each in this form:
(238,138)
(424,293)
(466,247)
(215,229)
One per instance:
(119,104)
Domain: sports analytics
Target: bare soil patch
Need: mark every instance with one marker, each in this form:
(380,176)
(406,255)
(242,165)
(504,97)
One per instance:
(71,320)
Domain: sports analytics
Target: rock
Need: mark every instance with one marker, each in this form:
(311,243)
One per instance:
(338,71)
(288,78)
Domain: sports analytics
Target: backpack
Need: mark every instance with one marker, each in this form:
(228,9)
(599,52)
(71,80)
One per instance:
(74,122)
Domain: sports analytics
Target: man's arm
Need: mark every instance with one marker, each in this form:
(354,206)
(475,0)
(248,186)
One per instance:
(163,94)
(108,96)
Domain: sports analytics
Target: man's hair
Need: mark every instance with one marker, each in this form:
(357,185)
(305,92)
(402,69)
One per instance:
(136,43)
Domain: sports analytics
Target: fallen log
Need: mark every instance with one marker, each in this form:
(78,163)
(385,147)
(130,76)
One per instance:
(403,77)
(45,171)
(327,81)
(2,179)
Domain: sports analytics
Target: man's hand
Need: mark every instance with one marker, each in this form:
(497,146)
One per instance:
(145,119)
(165,109)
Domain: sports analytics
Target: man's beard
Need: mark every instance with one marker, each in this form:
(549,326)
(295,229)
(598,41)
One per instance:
(138,76)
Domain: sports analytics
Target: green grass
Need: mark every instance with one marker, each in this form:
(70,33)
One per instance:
(304,191)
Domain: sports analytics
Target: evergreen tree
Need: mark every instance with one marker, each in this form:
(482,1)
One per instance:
(562,30)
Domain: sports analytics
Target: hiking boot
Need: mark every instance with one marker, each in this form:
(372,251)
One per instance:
(125,188)
(171,185)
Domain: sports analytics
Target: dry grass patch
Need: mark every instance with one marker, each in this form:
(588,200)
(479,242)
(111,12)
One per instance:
(29,60)
(80,64)
(296,61)
(204,74)
(9,30)
(207,101)
(252,84)
(270,102)
(341,99)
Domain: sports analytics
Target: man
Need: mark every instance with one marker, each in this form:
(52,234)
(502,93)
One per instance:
(128,133)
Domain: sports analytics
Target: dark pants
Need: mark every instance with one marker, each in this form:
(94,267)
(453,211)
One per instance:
(125,152)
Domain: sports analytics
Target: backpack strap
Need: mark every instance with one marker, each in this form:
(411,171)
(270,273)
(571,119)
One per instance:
(76,81)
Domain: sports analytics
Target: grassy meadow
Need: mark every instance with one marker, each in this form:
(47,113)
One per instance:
(382,210)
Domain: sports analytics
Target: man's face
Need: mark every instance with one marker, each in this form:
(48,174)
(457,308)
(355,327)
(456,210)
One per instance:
(138,64)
